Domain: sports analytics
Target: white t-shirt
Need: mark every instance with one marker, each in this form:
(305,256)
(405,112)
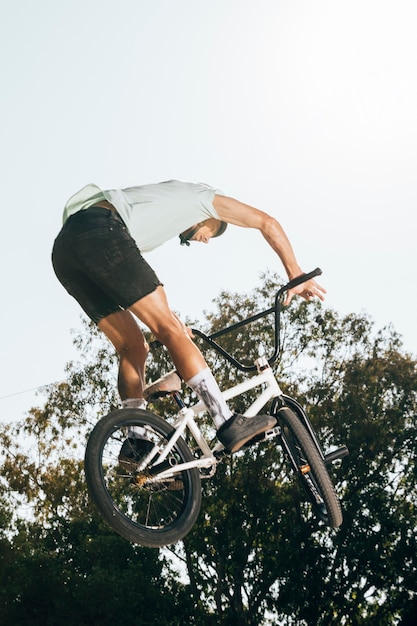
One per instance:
(152,213)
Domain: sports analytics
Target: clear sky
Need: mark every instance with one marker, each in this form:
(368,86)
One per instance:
(303,108)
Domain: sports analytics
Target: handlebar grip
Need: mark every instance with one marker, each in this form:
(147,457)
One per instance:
(302,279)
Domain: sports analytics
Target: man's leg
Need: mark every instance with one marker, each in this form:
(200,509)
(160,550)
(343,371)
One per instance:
(126,336)
(153,310)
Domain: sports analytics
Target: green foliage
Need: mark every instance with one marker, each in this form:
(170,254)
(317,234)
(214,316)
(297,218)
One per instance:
(256,555)
(273,558)
(80,573)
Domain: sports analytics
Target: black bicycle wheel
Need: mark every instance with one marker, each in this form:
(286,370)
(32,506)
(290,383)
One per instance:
(309,467)
(138,504)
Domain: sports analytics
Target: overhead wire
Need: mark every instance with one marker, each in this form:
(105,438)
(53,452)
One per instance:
(19,393)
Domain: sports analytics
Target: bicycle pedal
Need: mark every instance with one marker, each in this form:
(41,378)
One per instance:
(220,454)
(274,432)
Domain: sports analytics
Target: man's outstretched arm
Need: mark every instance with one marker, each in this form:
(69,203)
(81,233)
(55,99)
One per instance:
(235,212)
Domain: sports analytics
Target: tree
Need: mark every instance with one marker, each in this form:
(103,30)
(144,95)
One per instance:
(257,550)
(60,564)
(256,555)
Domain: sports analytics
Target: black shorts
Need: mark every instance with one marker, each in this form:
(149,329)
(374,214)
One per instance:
(99,263)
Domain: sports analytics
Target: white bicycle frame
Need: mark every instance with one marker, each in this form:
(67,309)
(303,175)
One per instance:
(186,420)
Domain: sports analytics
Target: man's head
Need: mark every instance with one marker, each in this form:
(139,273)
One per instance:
(203,231)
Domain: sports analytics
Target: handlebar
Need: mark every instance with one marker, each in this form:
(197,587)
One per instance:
(299,280)
(276,309)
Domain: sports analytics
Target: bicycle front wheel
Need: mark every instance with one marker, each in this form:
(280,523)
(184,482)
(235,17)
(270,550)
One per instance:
(309,467)
(142,507)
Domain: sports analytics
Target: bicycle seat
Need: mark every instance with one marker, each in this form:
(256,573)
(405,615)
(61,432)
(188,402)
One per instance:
(163,386)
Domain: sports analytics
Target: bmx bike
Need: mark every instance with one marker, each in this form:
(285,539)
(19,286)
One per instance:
(156,501)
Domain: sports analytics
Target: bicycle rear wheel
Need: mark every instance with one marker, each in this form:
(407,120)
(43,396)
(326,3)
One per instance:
(140,506)
(309,467)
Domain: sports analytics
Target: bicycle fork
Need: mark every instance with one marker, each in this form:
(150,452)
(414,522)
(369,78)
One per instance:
(273,390)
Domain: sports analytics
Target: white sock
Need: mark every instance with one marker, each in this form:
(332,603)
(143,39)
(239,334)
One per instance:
(205,386)
(135,432)
(134,403)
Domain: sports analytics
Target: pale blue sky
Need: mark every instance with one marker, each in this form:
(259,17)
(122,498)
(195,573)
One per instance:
(304,108)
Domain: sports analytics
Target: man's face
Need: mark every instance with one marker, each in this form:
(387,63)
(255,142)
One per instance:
(203,231)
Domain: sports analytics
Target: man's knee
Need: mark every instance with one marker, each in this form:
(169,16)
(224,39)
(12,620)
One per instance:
(170,331)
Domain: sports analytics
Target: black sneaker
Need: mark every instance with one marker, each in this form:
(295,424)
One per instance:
(239,429)
(132,452)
